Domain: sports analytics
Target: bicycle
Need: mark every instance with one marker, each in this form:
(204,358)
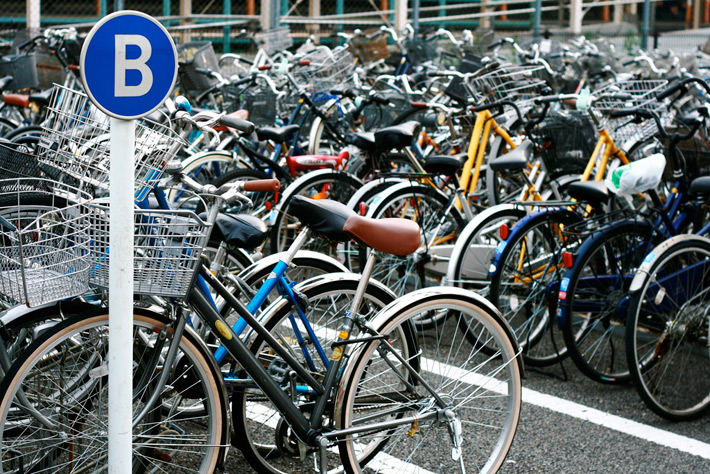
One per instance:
(358,443)
(592,315)
(195,381)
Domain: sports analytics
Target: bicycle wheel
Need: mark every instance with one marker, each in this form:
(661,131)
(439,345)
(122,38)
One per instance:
(476,247)
(325,141)
(320,184)
(525,282)
(62,380)
(6,126)
(667,342)
(264,437)
(592,299)
(22,325)
(440,223)
(457,407)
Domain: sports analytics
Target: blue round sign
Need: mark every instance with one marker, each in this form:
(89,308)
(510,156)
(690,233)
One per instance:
(128,64)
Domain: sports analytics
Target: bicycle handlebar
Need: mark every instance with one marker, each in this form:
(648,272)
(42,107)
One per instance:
(501,104)
(650,114)
(237,124)
(684,86)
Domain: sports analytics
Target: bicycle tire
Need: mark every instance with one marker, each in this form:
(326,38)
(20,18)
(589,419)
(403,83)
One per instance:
(482,393)
(162,441)
(591,299)
(265,440)
(319,184)
(440,225)
(475,248)
(667,329)
(525,282)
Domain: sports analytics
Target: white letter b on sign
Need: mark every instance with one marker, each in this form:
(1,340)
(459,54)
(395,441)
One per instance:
(123,64)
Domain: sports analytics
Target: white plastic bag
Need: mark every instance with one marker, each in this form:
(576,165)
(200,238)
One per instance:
(638,176)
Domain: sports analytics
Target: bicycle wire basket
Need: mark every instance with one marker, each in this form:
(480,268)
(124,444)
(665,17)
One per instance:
(627,132)
(274,40)
(75,142)
(509,82)
(328,69)
(168,246)
(44,254)
(193,56)
(630,94)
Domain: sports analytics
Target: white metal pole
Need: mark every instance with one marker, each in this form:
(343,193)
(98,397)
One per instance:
(575,17)
(400,15)
(314,11)
(33,15)
(266,15)
(120,356)
(485,20)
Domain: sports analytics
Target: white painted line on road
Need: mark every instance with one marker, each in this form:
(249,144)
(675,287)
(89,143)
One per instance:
(617,423)
(575,410)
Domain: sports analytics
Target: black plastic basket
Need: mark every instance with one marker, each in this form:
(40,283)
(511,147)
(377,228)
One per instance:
(456,89)
(17,162)
(696,152)
(566,140)
(23,70)
(192,57)
(261,105)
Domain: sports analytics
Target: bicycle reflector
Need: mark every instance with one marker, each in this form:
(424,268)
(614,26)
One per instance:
(567,259)
(363,209)
(504,231)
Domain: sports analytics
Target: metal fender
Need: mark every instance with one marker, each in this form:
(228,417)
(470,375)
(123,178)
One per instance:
(460,246)
(644,270)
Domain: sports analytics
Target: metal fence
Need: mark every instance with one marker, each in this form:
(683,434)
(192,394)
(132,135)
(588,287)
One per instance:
(222,21)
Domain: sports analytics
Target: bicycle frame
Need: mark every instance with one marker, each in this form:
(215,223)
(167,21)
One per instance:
(305,428)
(484,125)
(605,143)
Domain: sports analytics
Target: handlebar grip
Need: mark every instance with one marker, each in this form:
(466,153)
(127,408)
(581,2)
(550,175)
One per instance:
(548,99)
(491,66)
(24,44)
(238,124)
(347,93)
(670,91)
(242,81)
(495,44)
(622,96)
(380,100)
(262,185)
(627,112)
(206,72)
(628,63)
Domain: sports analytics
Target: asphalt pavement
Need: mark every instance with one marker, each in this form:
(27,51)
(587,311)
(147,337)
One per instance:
(578,426)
